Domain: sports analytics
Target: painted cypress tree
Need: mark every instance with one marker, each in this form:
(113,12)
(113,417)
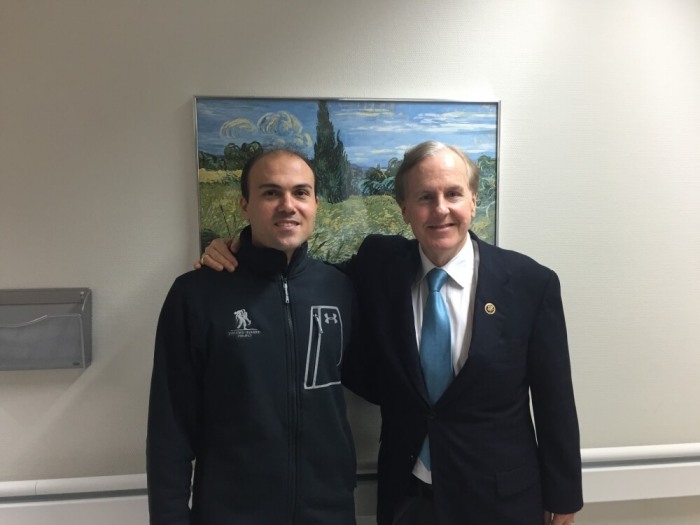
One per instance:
(330,160)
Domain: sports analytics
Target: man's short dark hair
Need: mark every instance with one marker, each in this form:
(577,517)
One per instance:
(259,155)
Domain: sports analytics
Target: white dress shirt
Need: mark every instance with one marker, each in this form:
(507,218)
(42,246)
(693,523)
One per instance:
(457,293)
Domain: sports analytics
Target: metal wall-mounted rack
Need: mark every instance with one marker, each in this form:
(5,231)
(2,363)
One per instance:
(45,328)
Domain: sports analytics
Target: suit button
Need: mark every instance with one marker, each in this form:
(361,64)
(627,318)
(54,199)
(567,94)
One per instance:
(432,415)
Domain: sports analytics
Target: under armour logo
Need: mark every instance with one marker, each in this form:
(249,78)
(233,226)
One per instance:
(330,318)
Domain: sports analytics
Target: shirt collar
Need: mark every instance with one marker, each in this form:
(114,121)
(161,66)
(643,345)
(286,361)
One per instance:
(460,268)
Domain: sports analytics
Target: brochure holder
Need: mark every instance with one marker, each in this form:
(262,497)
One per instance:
(45,328)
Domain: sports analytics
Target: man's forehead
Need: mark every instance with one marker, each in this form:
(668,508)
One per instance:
(282,181)
(453,175)
(281,167)
(446,158)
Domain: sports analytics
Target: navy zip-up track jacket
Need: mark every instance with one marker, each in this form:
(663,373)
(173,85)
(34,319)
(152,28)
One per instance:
(246,384)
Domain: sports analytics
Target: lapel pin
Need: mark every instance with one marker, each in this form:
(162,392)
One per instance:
(490,308)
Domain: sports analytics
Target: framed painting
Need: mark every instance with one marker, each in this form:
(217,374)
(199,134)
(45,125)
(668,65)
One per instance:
(355,147)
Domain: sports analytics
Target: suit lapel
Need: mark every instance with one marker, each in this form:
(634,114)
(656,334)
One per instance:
(488,322)
(491,304)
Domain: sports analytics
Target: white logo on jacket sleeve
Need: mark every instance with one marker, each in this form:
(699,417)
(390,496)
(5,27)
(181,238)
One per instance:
(325,348)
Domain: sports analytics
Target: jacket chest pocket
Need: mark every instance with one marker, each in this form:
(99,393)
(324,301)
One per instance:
(325,348)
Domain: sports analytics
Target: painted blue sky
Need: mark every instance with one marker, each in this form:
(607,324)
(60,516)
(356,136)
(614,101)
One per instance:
(372,131)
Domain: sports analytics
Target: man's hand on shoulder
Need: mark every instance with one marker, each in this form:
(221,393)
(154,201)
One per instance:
(219,255)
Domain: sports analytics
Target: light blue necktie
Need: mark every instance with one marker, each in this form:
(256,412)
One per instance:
(435,346)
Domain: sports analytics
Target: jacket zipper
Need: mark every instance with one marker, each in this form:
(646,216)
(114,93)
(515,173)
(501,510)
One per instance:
(293,405)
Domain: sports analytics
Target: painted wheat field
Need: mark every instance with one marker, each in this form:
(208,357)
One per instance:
(355,148)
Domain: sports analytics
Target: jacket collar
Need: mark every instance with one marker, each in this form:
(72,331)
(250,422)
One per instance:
(269,262)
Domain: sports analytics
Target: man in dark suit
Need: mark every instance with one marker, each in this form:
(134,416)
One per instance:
(483,462)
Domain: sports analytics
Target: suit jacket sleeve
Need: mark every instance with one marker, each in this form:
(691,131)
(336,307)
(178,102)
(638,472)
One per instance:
(553,404)
(172,415)
(360,366)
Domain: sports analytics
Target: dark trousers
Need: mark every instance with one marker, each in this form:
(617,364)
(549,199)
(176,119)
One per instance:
(417,508)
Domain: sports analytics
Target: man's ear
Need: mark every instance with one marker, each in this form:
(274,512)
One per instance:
(244,207)
(402,206)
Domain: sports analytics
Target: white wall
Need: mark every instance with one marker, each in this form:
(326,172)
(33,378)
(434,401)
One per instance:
(599,179)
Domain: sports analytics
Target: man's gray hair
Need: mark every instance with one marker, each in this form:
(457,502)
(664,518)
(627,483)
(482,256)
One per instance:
(420,152)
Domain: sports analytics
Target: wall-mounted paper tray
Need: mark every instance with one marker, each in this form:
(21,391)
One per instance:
(45,328)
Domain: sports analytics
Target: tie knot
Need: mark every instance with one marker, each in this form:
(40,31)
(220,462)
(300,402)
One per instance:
(436,278)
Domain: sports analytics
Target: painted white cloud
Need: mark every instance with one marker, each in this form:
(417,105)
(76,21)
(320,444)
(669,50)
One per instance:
(279,129)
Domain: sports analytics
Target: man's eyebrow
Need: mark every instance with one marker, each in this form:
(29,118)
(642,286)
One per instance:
(433,190)
(266,185)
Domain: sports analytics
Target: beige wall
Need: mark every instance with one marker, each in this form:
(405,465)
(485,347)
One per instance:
(599,179)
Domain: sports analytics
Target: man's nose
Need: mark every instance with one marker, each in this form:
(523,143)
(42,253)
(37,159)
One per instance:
(286,202)
(441,205)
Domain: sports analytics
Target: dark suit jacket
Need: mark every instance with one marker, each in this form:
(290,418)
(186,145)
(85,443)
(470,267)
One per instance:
(489,465)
